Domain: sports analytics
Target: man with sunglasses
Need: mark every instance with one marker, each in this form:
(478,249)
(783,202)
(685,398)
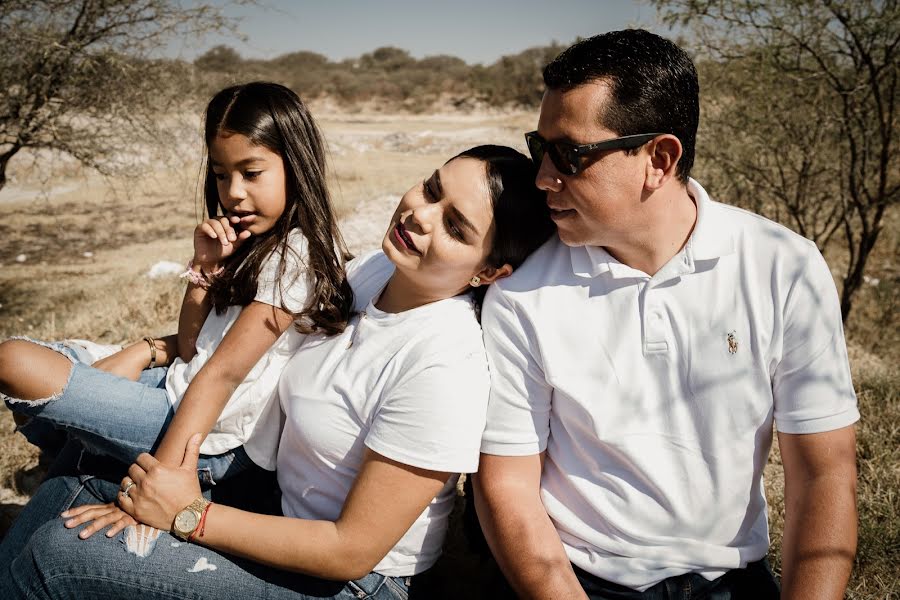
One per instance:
(640,360)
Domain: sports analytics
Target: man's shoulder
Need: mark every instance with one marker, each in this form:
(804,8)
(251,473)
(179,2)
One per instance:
(758,234)
(550,263)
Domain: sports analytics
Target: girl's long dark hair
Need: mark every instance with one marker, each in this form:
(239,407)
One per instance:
(272,116)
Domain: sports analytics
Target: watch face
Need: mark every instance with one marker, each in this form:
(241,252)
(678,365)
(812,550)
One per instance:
(186,521)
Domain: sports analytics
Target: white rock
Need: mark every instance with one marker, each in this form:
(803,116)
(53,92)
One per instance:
(88,254)
(21,258)
(165,268)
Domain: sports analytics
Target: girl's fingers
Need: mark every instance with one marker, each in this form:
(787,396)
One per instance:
(208,229)
(74,512)
(123,522)
(98,524)
(97,512)
(228,229)
(217,226)
(243,235)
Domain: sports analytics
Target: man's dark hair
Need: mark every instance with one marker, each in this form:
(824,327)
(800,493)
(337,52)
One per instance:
(653,85)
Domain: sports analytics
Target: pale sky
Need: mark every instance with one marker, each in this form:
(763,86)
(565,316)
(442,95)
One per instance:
(477,31)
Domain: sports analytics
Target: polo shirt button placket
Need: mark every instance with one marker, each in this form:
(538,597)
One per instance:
(654,330)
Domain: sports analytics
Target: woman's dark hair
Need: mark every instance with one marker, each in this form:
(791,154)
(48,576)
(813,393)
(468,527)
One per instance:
(653,85)
(521,215)
(272,116)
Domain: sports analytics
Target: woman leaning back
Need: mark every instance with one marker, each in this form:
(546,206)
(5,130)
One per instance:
(379,419)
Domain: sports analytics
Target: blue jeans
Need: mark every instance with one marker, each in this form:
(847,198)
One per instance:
(754,582)
(55,563)
(114,416)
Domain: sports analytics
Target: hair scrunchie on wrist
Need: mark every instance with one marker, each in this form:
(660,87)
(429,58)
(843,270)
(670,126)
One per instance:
(200,279)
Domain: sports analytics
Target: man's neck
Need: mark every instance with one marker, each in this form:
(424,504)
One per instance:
(674,218)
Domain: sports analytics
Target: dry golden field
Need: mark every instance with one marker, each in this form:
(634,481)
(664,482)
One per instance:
(75,251)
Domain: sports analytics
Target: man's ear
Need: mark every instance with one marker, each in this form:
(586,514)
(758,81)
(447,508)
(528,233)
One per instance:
(663,154)
(489,275)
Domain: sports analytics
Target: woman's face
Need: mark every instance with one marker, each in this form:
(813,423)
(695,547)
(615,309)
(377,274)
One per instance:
(443,228)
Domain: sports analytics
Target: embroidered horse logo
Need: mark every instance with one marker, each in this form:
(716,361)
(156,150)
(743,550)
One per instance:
(732,343)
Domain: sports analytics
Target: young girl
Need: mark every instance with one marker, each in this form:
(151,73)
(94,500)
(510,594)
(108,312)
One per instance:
(267,268)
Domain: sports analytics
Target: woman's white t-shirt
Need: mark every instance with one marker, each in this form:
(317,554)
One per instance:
(252,417)
(412,386)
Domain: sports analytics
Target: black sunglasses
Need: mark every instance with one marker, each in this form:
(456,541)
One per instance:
(569,158)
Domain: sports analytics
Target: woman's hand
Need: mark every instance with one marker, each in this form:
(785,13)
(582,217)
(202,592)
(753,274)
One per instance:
(215,240)
(98,516)
(160,492)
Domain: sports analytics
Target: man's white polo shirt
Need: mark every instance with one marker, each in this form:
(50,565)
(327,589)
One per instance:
(654,397)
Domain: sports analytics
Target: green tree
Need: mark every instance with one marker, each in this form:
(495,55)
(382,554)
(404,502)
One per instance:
(827,72)
(78,77)
(219,58)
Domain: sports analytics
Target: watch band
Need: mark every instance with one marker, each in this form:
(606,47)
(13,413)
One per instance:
(198,507)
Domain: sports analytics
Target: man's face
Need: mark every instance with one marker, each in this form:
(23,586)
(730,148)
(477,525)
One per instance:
(601,205)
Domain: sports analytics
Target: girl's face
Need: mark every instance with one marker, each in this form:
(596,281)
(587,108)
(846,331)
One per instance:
(442,231)
(251,181)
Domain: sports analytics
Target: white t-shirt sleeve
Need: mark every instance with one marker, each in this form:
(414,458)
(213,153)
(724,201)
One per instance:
(434,417)
(291,289)
(811,383)
(518,419)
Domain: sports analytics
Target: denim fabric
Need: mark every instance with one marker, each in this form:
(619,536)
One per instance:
(114,416)
(66,486)
(55,563)
(39,558)
(755,582)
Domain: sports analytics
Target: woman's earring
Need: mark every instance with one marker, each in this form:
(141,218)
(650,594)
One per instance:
(475,281)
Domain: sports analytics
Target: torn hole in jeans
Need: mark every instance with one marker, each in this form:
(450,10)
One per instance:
(140,539)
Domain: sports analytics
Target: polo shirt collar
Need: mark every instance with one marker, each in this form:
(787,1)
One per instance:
(710,239)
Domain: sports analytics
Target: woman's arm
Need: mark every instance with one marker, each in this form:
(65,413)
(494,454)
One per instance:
(382,505)
(257,327)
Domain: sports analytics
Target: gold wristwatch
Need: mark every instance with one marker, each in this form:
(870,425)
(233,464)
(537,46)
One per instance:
(188,519)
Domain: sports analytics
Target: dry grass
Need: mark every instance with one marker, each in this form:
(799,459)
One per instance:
(60,292)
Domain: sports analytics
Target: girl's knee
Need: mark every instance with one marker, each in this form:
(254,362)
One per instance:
(10,353)
(31,372)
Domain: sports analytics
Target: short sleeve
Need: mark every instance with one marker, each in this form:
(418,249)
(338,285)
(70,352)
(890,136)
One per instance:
(291,289)
(434,417)
(518,418)
(367,275)
(811,384)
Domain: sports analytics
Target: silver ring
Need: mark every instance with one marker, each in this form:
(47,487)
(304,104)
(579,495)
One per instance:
(128,487)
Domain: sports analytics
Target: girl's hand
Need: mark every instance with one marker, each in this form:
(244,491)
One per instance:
(128,362)
(98,516)
(215,240)
(160,492)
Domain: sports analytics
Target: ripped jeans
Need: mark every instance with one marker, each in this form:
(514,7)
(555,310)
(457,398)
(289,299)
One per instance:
(113,416)
(42,559)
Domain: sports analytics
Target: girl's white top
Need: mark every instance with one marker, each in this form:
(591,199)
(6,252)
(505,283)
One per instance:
(252,417)
(412,386)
